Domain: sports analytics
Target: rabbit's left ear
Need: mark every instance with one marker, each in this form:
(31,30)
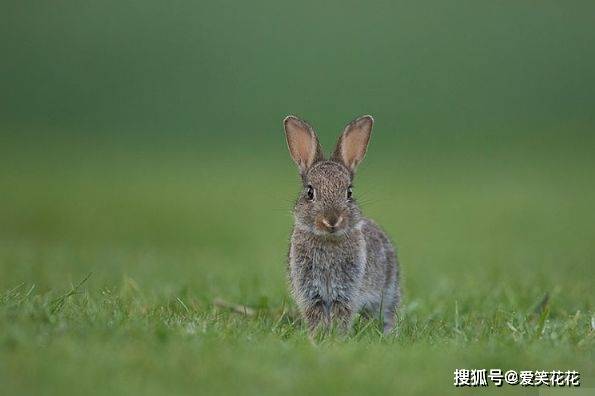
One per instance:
(353,142)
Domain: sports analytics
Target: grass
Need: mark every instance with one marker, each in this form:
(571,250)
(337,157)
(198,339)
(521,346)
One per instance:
(111,260)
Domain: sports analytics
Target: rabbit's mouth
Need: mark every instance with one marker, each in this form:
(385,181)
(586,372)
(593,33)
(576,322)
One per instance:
(337,235)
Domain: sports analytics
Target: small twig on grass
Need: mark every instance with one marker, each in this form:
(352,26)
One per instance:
(237,308)
(30,291)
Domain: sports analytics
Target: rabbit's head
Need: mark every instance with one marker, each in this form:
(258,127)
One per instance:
(326,205)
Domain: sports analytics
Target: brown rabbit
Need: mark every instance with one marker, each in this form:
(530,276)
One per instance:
(340,263)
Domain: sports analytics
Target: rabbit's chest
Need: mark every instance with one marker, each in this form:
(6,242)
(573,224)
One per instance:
(330,275)
(329,280)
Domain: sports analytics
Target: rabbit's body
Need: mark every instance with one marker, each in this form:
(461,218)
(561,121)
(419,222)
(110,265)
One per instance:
(334,280)
(340,263)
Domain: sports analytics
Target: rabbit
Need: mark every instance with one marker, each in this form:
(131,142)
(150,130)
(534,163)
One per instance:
(339,263)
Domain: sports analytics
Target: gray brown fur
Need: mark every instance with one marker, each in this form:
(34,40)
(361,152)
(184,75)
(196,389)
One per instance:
(340,263)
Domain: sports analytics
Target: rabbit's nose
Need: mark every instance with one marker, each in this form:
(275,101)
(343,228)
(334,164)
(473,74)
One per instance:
(332,222)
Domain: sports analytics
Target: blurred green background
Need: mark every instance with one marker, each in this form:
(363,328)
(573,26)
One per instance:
(142,141)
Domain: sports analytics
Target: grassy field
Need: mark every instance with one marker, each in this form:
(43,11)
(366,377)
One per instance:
(111,258)
(144,175)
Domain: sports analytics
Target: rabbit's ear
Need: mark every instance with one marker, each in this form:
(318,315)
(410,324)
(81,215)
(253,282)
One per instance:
(302,142)
(353,143)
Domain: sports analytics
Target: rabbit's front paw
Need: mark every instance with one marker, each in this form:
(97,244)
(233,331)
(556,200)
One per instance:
(342,316)
(316,317)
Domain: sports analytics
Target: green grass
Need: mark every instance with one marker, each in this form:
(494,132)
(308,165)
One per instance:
(141,143)
(486,226)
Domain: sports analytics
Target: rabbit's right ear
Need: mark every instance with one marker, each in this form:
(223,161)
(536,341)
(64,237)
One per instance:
(302,142)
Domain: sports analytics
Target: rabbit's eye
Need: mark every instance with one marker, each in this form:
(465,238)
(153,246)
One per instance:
(310,193)
(349,192)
